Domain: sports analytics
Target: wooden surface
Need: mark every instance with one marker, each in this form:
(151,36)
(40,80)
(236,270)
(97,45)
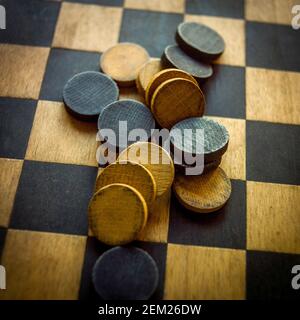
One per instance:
(130,173)
(117,214)
(123,61)
(205,193)
(175,100)
(174,6)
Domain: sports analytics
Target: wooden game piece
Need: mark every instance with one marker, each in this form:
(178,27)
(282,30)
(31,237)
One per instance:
(161,77)
(182,167)
(147,71)
(136,115)
(123,61)
(199,41)
(117,214)
(125,273)
(87,93)
(216,138)
(156,159)
(132,174)
(174,57)
(175,100)
(205,193)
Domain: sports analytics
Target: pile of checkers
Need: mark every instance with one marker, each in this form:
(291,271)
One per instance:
(127,189)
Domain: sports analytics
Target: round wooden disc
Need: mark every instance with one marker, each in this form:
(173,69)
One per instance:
(181,167)
(132,174)
(88,93)
(199,41)
(161,77)
(206,193)
(156,159)
(147,71)
(216,138)
(136,115)
(123,61)
(175,100)
(174,57)
(125,273)
(117,214)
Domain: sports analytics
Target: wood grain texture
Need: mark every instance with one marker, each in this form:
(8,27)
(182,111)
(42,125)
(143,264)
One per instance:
(36,269)
(155,159)
(10,171)
(175,100)
(205,193)
(131,93)
(272,95)
(117,214)
(130,173)
(85,27)
(147,71)
(163,76)
(57,137)
(123,61)
(273,219)
(233,33)
(174,6)
(205,273)
(22,70)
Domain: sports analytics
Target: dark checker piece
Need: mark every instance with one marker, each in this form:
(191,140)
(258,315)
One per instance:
(174,57)
(88,93)
(133,114)
(216,138)
(181,167)
(125,273)
(199,41)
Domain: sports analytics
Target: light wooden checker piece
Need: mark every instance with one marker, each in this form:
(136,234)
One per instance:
(156,159)
(117,214)
(175,100)
(147,71)
(163,76)
(205,193)
(123,61)
(130,173)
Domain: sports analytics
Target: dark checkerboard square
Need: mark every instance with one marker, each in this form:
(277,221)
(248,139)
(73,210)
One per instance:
(95,248)
(111,3)
(30,22)
(16,117)
(226,8)
(152,30)
(269,275)
(225,228)
(272,46)
(273,152)
(62,65)
(225,92)
(2,239)
(53,197)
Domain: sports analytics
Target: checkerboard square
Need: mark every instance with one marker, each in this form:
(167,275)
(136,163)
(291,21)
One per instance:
(130,93)
(29,22)
(273,95)
(152,30)
(53,197)
(114,3)
(272,152)
(223,228)
(269,208)
(233,33)
(272,46)
(16,117)
(35,268)
(234,160)
(56,136)
(87,27)
(21,70)
(226,8)
(269,276)
(2,239)
(204,273)
(10,171)
(225,92)
(62,65)
(175,6)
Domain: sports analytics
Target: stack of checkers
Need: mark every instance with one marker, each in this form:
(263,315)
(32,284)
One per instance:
(140,172)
